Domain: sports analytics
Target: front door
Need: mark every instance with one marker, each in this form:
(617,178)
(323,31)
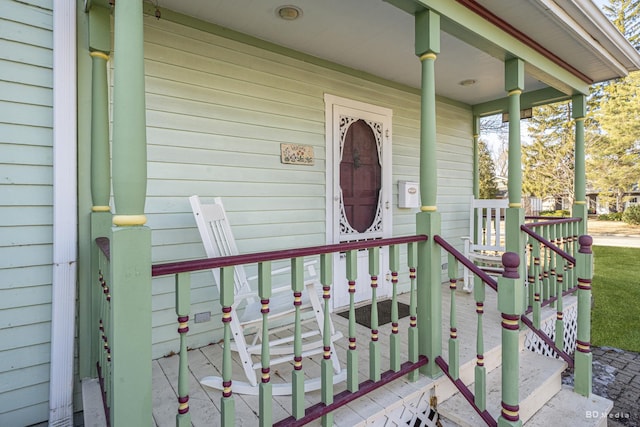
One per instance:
(358,189)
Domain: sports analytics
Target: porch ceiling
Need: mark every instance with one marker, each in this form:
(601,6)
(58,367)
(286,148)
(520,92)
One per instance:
(378,38)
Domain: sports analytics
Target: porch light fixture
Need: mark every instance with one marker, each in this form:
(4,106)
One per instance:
(468,82)
(289,12)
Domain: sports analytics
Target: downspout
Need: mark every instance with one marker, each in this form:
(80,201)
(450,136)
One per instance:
(64,214)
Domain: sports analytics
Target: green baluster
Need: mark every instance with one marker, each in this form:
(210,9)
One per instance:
(531,273)
(573,241)
(326,273)
(553,277)
(102,354)
(227,402)
(352,354)
(571,282)
(265,388)
(583,355)
(413,330)
(553,286)
(374,344)
(559,336)
(183,303)
(108,334)
(576,249)
(537,277)
(454,345)
(480,390)
(394,339)
(565,263)
(297,392)
(105,330)
(546,260)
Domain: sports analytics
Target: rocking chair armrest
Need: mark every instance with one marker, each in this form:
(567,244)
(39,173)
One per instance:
(467,243)
(309,265)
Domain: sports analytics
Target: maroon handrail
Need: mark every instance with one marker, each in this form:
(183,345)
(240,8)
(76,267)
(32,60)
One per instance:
(228,261)
(550,300)
(548,341)
(466,393)
(548,244)
(494,285)
(466,262)
(550,220)
(341,399)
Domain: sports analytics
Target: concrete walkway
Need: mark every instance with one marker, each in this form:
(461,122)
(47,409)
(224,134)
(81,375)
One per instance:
(616,240)
(616,376)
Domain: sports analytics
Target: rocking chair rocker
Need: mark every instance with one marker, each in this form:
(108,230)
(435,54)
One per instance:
(246,321)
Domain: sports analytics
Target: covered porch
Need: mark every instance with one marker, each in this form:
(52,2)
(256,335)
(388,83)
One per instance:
(197,108)
(401,401)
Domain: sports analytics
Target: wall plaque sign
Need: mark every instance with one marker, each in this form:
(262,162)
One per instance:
(296,154)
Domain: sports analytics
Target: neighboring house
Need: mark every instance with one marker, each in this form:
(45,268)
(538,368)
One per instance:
(599,206)
(238,99)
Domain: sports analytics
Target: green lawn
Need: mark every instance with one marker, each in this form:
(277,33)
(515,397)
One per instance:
(616,298)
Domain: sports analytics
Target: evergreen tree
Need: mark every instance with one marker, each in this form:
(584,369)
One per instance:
(488,185)
(548,160)
(613,165)
(614,154)
(625,15)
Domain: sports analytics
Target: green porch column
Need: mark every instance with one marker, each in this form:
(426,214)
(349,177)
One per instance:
(427,46)
(130,239)
(476,157)
(580,208)
(511,306)
(515,239)
(100,48)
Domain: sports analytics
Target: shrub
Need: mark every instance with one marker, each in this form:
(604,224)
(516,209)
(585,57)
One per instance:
(631,215)
(563,213)
(615,216)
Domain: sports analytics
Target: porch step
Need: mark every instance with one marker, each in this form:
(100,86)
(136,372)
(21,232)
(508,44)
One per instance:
(569,408)
(540,380)
(93,410)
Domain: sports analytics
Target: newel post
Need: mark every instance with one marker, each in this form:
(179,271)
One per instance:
(583,355)
(130,238)
(427,46)
(511,305)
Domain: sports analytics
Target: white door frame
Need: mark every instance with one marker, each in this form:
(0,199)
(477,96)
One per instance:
(366,111)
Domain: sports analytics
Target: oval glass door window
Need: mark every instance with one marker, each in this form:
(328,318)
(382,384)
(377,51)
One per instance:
(360,176)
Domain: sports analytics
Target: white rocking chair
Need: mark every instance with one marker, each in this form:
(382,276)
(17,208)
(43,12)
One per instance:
(486,244)
(246,319)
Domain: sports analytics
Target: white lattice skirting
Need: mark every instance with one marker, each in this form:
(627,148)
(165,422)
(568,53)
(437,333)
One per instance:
(548,325)
(416,412)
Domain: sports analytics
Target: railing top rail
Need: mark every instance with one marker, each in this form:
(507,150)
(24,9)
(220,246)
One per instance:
(228,261)
(466,262)
(549,220)
(547,243)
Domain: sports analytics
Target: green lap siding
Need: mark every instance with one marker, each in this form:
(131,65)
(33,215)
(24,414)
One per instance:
(217,112)
(26,115)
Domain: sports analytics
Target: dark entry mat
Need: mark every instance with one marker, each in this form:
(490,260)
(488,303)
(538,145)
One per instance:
(363,314)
